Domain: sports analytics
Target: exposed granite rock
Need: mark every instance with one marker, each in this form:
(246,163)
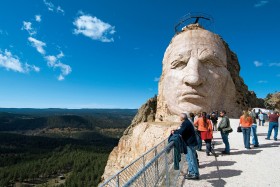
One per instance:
(244,98)
(272,101)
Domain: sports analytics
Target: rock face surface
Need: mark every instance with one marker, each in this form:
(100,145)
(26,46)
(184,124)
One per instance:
(139,137)
(272,101)
(198,69)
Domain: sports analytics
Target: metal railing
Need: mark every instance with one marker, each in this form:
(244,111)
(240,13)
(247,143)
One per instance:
(154,168)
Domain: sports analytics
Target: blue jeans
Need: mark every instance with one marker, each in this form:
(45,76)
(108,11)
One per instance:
(246,136)
(273,125)
(254,134)
(225,140)
(199,141)
(261,122)
(192,161)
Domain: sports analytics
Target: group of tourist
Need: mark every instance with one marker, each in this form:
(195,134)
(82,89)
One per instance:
(195,128)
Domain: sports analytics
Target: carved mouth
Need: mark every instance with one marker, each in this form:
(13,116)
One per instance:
(191,95)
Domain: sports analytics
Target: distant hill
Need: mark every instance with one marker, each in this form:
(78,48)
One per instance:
(13,119)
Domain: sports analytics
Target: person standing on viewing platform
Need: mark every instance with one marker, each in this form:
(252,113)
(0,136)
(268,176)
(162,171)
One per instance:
(253,115)
(261,119)
(246,122)
(186,130)
(273,124)
(223,125)
(214,119)
(204,126)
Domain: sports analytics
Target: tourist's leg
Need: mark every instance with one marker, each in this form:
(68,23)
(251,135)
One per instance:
(276,131)
(208,146)
(270,126)
(244,135)
(248,137)
(226,142)
(193,160)
(255,136)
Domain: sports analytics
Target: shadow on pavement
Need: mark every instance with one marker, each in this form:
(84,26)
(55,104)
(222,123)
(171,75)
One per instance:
(247,152)
(216,177)
(218,163)
(262,134)
(217,182)
(269,145)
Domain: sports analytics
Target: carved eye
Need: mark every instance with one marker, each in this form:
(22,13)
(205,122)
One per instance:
(212,62)
(177,64)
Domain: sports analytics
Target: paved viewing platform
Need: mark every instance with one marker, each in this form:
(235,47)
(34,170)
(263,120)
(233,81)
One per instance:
(258,166)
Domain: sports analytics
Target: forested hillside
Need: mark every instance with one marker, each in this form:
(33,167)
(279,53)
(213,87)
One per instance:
(61,148)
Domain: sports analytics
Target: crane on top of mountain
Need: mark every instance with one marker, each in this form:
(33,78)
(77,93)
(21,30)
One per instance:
(202,19)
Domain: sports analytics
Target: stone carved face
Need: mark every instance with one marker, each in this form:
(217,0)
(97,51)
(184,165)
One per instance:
(195,73)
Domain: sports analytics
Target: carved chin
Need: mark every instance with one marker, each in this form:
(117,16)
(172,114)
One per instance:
(186,107)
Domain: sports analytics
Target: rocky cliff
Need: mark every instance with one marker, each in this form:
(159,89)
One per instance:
(244,98)
(272,101)
(139,137)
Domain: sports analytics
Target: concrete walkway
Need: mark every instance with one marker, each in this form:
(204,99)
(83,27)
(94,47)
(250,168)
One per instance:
(257,167)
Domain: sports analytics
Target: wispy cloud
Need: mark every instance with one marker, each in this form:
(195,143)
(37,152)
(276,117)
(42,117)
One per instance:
(2,32)
(262,81)
(28,27)
(274,64)
(54,62)
(260,4)
(38,18)
(39,45)
(93,28)
(278,75)
(51,7)
(156,79)
(12,62)
(257,63)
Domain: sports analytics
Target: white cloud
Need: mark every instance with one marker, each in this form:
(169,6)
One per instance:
(12,62)
(65,70)
(28,27)
(257,63)
(38,18)
(39,45)
(260,4)
(94,28)
(32,68)
(59,9)
(54,62)
(51,60)
(51,7)
(156,79)
(274,64)
(262,81)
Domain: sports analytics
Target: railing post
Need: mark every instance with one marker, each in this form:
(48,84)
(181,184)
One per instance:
(118,180)
(144,178)
(156,167)
(166,167)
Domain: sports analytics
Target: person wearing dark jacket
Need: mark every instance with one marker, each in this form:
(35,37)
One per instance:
(224,124)
(179,147)
(186,130)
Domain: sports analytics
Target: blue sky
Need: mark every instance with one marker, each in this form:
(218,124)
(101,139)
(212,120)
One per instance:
(108,54)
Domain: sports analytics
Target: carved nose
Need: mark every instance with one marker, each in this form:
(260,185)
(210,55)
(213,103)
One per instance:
(193,73)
